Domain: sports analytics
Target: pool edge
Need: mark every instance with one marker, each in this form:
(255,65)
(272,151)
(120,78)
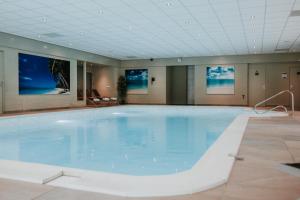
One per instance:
(191,181)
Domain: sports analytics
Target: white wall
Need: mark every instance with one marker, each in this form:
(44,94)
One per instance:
(15,102)
(241,63)
(1,81)
(241,88)
(156,91)
(104,79)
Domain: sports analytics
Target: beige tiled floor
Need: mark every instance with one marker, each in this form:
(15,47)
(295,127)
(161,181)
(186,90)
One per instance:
(266,144)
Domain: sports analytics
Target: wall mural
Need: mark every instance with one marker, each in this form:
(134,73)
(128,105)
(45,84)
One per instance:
(220,79)
(42,75)
(137,81)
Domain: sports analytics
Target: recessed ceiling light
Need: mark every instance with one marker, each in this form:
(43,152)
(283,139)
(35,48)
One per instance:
(169,4)
(252,17)
(12,39)
(100,12)
(188,22)
(39,36)
(44,19)
(254,47)
(70,44)
(45,47)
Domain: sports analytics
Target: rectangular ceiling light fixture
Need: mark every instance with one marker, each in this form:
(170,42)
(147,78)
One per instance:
(282,50)
(295,13)
(131,57)
(52,35)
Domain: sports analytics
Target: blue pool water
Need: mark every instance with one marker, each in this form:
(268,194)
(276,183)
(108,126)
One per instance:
(134,140)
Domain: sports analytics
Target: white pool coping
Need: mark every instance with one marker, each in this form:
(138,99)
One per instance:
(212,170)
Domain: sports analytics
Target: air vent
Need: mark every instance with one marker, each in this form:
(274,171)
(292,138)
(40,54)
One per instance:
(131,57)
(295,13)
(282,50)
(52,35)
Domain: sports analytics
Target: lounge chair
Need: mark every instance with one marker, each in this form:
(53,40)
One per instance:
(112,100)
(94,99)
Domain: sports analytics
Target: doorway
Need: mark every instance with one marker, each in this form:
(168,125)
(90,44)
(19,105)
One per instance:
(257,83)
(1,82)
(177,85)
(295,85)
(89,84)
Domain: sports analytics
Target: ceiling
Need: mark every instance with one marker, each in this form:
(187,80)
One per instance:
(129,29)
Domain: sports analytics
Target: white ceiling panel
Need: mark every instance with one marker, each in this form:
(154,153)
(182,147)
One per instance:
(157,28)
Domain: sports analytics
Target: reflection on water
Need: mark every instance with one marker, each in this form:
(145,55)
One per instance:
(137,144)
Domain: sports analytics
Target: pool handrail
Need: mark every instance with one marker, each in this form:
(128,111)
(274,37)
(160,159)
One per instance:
(276,107)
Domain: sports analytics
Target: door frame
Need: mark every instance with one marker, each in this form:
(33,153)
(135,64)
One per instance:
(292,86)
(261,69)
(2,81)
(170,86)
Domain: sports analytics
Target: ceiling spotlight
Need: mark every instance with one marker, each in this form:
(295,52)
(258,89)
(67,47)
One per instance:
(252,17)
(179,60)
(168,4)
(100,12)
(188,22)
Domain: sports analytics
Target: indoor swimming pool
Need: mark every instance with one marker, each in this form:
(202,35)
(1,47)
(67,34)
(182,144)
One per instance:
(137,151)
(133,140)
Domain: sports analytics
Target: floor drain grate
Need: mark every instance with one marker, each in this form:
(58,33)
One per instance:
(51,178)
(59,175)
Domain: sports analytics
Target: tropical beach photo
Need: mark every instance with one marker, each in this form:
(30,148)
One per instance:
(137,81)
(41,75)
(220,79)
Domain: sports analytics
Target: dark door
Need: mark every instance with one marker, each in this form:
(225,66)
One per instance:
(295,85)
(89,84)
(177,85)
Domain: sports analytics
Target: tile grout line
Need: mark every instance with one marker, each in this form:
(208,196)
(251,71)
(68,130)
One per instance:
(40,195)
(287,148)
(243,138)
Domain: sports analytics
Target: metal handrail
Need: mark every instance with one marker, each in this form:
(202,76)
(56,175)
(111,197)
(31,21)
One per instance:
(279,106)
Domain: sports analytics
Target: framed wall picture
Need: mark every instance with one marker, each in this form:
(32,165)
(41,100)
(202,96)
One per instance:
(137,81)
(220,79)
(42,75)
